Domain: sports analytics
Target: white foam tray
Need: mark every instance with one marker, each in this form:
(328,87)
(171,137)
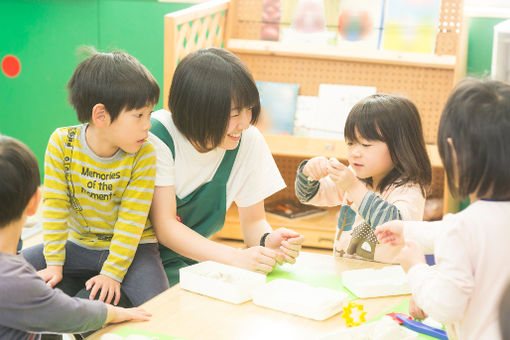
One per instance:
(384,329)
(220,281)
(366,283)
(300,299)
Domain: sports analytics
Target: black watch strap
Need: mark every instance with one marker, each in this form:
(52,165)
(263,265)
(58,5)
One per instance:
(263,239)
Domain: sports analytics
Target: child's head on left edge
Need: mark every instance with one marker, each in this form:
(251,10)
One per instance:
(19,182)
(385,142)
(116,92)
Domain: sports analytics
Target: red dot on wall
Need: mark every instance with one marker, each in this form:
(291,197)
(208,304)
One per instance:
(11,66)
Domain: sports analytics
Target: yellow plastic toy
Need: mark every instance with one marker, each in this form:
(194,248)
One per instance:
(353,314)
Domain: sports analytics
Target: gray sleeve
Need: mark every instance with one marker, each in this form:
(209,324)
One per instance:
(27,303)
(305,189)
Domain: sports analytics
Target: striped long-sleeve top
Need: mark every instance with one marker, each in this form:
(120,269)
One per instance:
(405,202)
(97,203)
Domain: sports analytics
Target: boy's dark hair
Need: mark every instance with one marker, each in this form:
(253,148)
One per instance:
(205,85)
(477,119)
(19,180)
(116,80)
(395,121)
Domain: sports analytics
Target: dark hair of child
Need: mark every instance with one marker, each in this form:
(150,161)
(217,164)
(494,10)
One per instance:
(116,80)
(395,121)
(19,180)
(206,86)
(476,118)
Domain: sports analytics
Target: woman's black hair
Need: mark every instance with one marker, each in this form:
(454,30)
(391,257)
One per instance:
(205,85)
(476,118)
(395,121)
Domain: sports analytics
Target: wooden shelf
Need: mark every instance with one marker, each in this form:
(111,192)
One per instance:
(306,147)
(319,231)
(328,52)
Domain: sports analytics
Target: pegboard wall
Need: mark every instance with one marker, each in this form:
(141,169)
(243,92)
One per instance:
(428,87)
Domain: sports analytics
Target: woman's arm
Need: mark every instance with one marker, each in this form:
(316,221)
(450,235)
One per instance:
(185,241)
(286,242)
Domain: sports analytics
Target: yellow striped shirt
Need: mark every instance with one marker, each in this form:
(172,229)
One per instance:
(97,203)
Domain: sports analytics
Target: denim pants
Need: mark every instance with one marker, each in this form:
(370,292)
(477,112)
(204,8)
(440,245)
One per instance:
(144,279)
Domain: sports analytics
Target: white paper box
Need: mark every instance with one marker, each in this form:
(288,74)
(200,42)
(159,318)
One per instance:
(220,281)
(366,283)
(300,299)
(384,329)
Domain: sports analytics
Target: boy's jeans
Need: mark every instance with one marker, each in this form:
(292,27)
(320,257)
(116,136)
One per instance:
(145,278)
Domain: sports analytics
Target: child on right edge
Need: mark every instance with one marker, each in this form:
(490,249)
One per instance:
(464,290)
(388,176)
(27,304)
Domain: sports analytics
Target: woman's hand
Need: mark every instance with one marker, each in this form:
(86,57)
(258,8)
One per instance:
(286,242)
(258,259)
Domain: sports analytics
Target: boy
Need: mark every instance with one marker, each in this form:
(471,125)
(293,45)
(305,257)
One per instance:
(98,187)
(27,304)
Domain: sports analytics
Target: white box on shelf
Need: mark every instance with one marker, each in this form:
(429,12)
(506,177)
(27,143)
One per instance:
(220,281)
(366,283)
(301,299)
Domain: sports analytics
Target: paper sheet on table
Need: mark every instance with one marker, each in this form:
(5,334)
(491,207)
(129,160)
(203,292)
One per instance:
(313,278)
(127,331)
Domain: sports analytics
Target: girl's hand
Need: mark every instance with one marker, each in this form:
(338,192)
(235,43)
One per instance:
(415,311)
(51,275)
(344,178)
(258,259)
(391,232)
(286,242)
(109,289)
(316,168)
(410,255)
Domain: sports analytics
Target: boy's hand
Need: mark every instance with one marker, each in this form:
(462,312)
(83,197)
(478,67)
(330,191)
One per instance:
(257,259)
(410,255)
(109,288)
(51,275)
(316,168)
(119,314)
(343,177)
(391,232)
(286,242)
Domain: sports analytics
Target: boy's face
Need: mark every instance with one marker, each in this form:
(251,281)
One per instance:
(131,128)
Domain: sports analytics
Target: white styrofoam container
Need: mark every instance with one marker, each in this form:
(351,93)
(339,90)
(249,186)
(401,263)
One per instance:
(384,329)
(220,281)
(301,299)
(366,283)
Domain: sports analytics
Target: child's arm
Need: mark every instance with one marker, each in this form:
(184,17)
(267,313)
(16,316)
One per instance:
(442,292)
(131,220)
(56,207)
(313,186)
(286,242)
(185,241)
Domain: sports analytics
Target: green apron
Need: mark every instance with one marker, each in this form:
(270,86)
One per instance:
(203,210)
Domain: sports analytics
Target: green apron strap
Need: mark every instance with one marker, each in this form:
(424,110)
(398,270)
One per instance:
(160,131)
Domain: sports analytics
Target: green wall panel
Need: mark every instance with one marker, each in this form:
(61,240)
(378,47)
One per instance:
(45,34)
(479,55)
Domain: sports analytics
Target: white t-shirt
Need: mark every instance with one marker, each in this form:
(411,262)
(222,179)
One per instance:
(253,178)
